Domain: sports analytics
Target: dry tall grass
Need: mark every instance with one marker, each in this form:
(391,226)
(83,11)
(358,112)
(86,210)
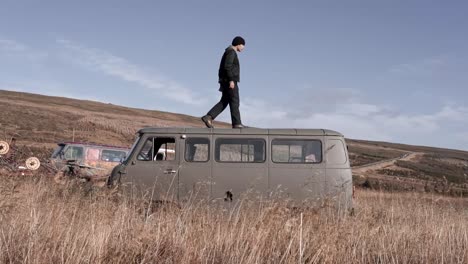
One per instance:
(45,223)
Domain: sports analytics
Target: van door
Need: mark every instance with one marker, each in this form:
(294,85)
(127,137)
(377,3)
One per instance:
(153,169)
(195,168)
(240,168)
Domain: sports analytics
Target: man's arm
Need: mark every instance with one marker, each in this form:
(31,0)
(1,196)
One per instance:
(228,63)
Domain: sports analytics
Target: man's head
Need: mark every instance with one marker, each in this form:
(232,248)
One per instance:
(238,43)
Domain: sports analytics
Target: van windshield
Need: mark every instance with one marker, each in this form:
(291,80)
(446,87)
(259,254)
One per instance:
(129,154)
(57,151)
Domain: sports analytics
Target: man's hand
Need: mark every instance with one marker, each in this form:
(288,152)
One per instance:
(231,85)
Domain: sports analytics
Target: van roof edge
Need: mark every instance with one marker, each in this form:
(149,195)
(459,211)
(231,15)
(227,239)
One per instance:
(90,144)
(243,131)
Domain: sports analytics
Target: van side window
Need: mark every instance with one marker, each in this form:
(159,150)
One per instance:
(112,155)
(74,153)
(296,151)
(157,148)
(92,154)
(146,152)
(240,150)
(335,152)
(197,149)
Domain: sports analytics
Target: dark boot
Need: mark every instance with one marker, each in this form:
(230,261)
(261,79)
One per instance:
(208,121)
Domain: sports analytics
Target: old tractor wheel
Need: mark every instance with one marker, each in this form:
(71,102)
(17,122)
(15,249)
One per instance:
(4,147)
(33,163)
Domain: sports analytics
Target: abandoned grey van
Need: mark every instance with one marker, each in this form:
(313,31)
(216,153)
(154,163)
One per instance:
(310,166)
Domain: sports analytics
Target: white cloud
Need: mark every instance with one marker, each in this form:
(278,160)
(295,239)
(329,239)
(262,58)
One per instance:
(452,113)
(363,120)
(11,45)
(358,109)
(424,66)
(102,61)
(260,114)
(12,48)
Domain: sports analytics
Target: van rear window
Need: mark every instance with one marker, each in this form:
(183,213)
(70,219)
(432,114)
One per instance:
(336,153)
(296,151)
(240,150)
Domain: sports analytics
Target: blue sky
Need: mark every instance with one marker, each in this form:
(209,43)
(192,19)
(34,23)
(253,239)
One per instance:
(378,70)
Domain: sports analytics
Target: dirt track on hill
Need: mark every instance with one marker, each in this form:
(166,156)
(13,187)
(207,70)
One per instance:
(364,169)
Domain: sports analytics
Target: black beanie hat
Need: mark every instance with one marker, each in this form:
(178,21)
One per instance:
(238,41)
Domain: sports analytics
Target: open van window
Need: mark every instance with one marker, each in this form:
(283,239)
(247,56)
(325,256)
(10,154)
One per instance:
(157,148)
(166,147)
(296,151)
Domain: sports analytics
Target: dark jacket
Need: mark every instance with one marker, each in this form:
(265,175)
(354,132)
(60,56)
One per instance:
(229,68)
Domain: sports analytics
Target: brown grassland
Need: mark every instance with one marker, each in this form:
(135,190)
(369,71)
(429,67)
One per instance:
(41,222)
(414,209)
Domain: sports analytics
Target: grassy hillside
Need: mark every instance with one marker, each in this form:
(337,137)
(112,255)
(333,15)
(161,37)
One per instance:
(44,120)
(38,122)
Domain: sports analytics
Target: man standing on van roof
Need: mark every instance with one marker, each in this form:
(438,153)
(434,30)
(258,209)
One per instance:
(229,76)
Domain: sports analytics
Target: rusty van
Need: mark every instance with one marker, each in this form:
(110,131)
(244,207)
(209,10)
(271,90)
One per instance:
(87,160)
(309,166)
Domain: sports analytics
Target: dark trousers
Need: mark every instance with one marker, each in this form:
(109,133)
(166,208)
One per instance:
(230,97)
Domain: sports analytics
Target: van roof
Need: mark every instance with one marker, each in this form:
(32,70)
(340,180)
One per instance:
(91,144)
(243,131)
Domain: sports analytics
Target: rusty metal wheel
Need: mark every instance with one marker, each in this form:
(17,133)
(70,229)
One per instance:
(33,163)
(4,147)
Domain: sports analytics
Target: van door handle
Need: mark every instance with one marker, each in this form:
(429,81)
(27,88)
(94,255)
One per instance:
(169,171)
